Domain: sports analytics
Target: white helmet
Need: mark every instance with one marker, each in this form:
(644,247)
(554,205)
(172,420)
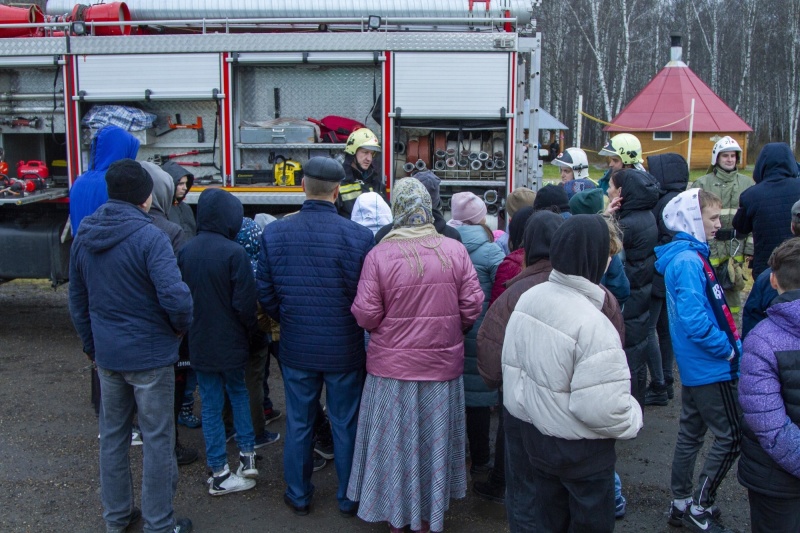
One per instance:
(576,159)
(726,144)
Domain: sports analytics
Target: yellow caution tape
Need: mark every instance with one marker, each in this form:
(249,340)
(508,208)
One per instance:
(625,128)
(645,153)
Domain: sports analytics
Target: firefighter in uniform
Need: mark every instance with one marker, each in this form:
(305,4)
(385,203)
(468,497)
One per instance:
(361,172)
(727,252)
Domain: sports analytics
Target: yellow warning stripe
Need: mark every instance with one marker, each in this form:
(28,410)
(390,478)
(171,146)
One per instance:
(645,153)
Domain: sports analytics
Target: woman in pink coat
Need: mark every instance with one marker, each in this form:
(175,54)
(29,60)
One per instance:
(417,294)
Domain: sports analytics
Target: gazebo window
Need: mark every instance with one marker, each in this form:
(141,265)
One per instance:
(662,135)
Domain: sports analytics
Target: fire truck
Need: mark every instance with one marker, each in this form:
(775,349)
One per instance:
(447,85)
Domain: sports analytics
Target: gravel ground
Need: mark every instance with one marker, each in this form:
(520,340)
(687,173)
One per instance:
(49,449)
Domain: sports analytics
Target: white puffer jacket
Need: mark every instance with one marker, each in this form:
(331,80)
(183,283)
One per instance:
(564,369)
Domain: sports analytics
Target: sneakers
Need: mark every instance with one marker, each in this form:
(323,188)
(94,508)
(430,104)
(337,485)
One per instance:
(490,491)
(705,522)
(182,525)
(480,470)
(227,482)
(186,418)
(271,415)
(185,456)
(670,383)
(324,449)
(247,465)
(319,463)
(620,507)
(656,394)
(266,438)
(675,516)
(136,436)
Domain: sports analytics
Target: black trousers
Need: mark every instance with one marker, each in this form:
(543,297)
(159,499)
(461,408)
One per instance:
(574,505)
(773,515)
(478,425)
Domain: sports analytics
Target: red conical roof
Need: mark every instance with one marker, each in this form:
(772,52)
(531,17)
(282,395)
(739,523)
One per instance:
(667,99)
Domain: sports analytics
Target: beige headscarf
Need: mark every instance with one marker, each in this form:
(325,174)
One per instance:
(413,224)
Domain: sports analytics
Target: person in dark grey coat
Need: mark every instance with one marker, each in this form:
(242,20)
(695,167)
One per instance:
(180,212)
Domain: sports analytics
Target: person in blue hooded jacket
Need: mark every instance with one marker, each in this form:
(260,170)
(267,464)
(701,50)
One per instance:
(765,208)
(708,351)
(89,191)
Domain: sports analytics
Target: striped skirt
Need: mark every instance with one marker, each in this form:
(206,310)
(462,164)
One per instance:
(409,451)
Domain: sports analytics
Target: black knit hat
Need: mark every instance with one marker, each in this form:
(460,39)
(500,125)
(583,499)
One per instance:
(324,169)
(551,196)
(128,182)
(516,228)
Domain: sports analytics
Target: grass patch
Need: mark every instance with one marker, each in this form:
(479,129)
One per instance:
(552,174)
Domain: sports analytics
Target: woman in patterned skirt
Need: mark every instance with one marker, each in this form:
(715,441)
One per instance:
(417,294)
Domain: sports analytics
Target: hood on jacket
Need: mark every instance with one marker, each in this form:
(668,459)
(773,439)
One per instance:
(785,312)
(371,211)
(249,237)
(670,170)
(177,172)
(683,213)
(640,190)
(473,237)
(112,143)
(163,187)
(539,235)
(775,161)
(580,247)
(516,229)
(111,224)
(680,243)
(219,211)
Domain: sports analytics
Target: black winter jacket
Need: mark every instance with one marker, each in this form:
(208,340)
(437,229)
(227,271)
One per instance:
(639,238)
(180,212)
(218,272)
(672,174)
(370,180)
(765,209)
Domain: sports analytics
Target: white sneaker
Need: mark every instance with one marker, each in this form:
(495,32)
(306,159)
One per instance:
(136,437)
(227,482)
(247,465)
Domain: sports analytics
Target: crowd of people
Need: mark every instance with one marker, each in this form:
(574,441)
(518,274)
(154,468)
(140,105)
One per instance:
(418,328)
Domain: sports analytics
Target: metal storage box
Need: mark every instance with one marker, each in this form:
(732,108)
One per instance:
(278,134)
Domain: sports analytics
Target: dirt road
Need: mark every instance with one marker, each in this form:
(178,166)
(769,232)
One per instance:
(49,449)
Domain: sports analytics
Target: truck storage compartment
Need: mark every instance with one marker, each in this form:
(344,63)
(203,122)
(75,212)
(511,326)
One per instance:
(32,246)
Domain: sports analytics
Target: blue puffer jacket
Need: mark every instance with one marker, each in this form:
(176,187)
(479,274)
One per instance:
(701,347)
(765,209)
(126,296)
(308,271)
(89,190)
(759,300)
(217,270)
(486,256)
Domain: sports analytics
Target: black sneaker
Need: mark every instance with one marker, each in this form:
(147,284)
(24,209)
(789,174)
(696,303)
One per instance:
(271,415)
(703,523)
(324,449)
(670,383)
(319,463)
(656,394)
(185,456)
(266,438)
(675,516)
(490,491)
(136,515)
(182,525)
(227,482)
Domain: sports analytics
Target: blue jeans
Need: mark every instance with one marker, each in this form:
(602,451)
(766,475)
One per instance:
(191,385)
(303,389)
(273,351)
(212,391)
(153,391)
(520,489)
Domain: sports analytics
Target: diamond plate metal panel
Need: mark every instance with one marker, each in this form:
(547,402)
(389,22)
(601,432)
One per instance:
(283,42)
(33,46)
(258,198)
(28,92)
